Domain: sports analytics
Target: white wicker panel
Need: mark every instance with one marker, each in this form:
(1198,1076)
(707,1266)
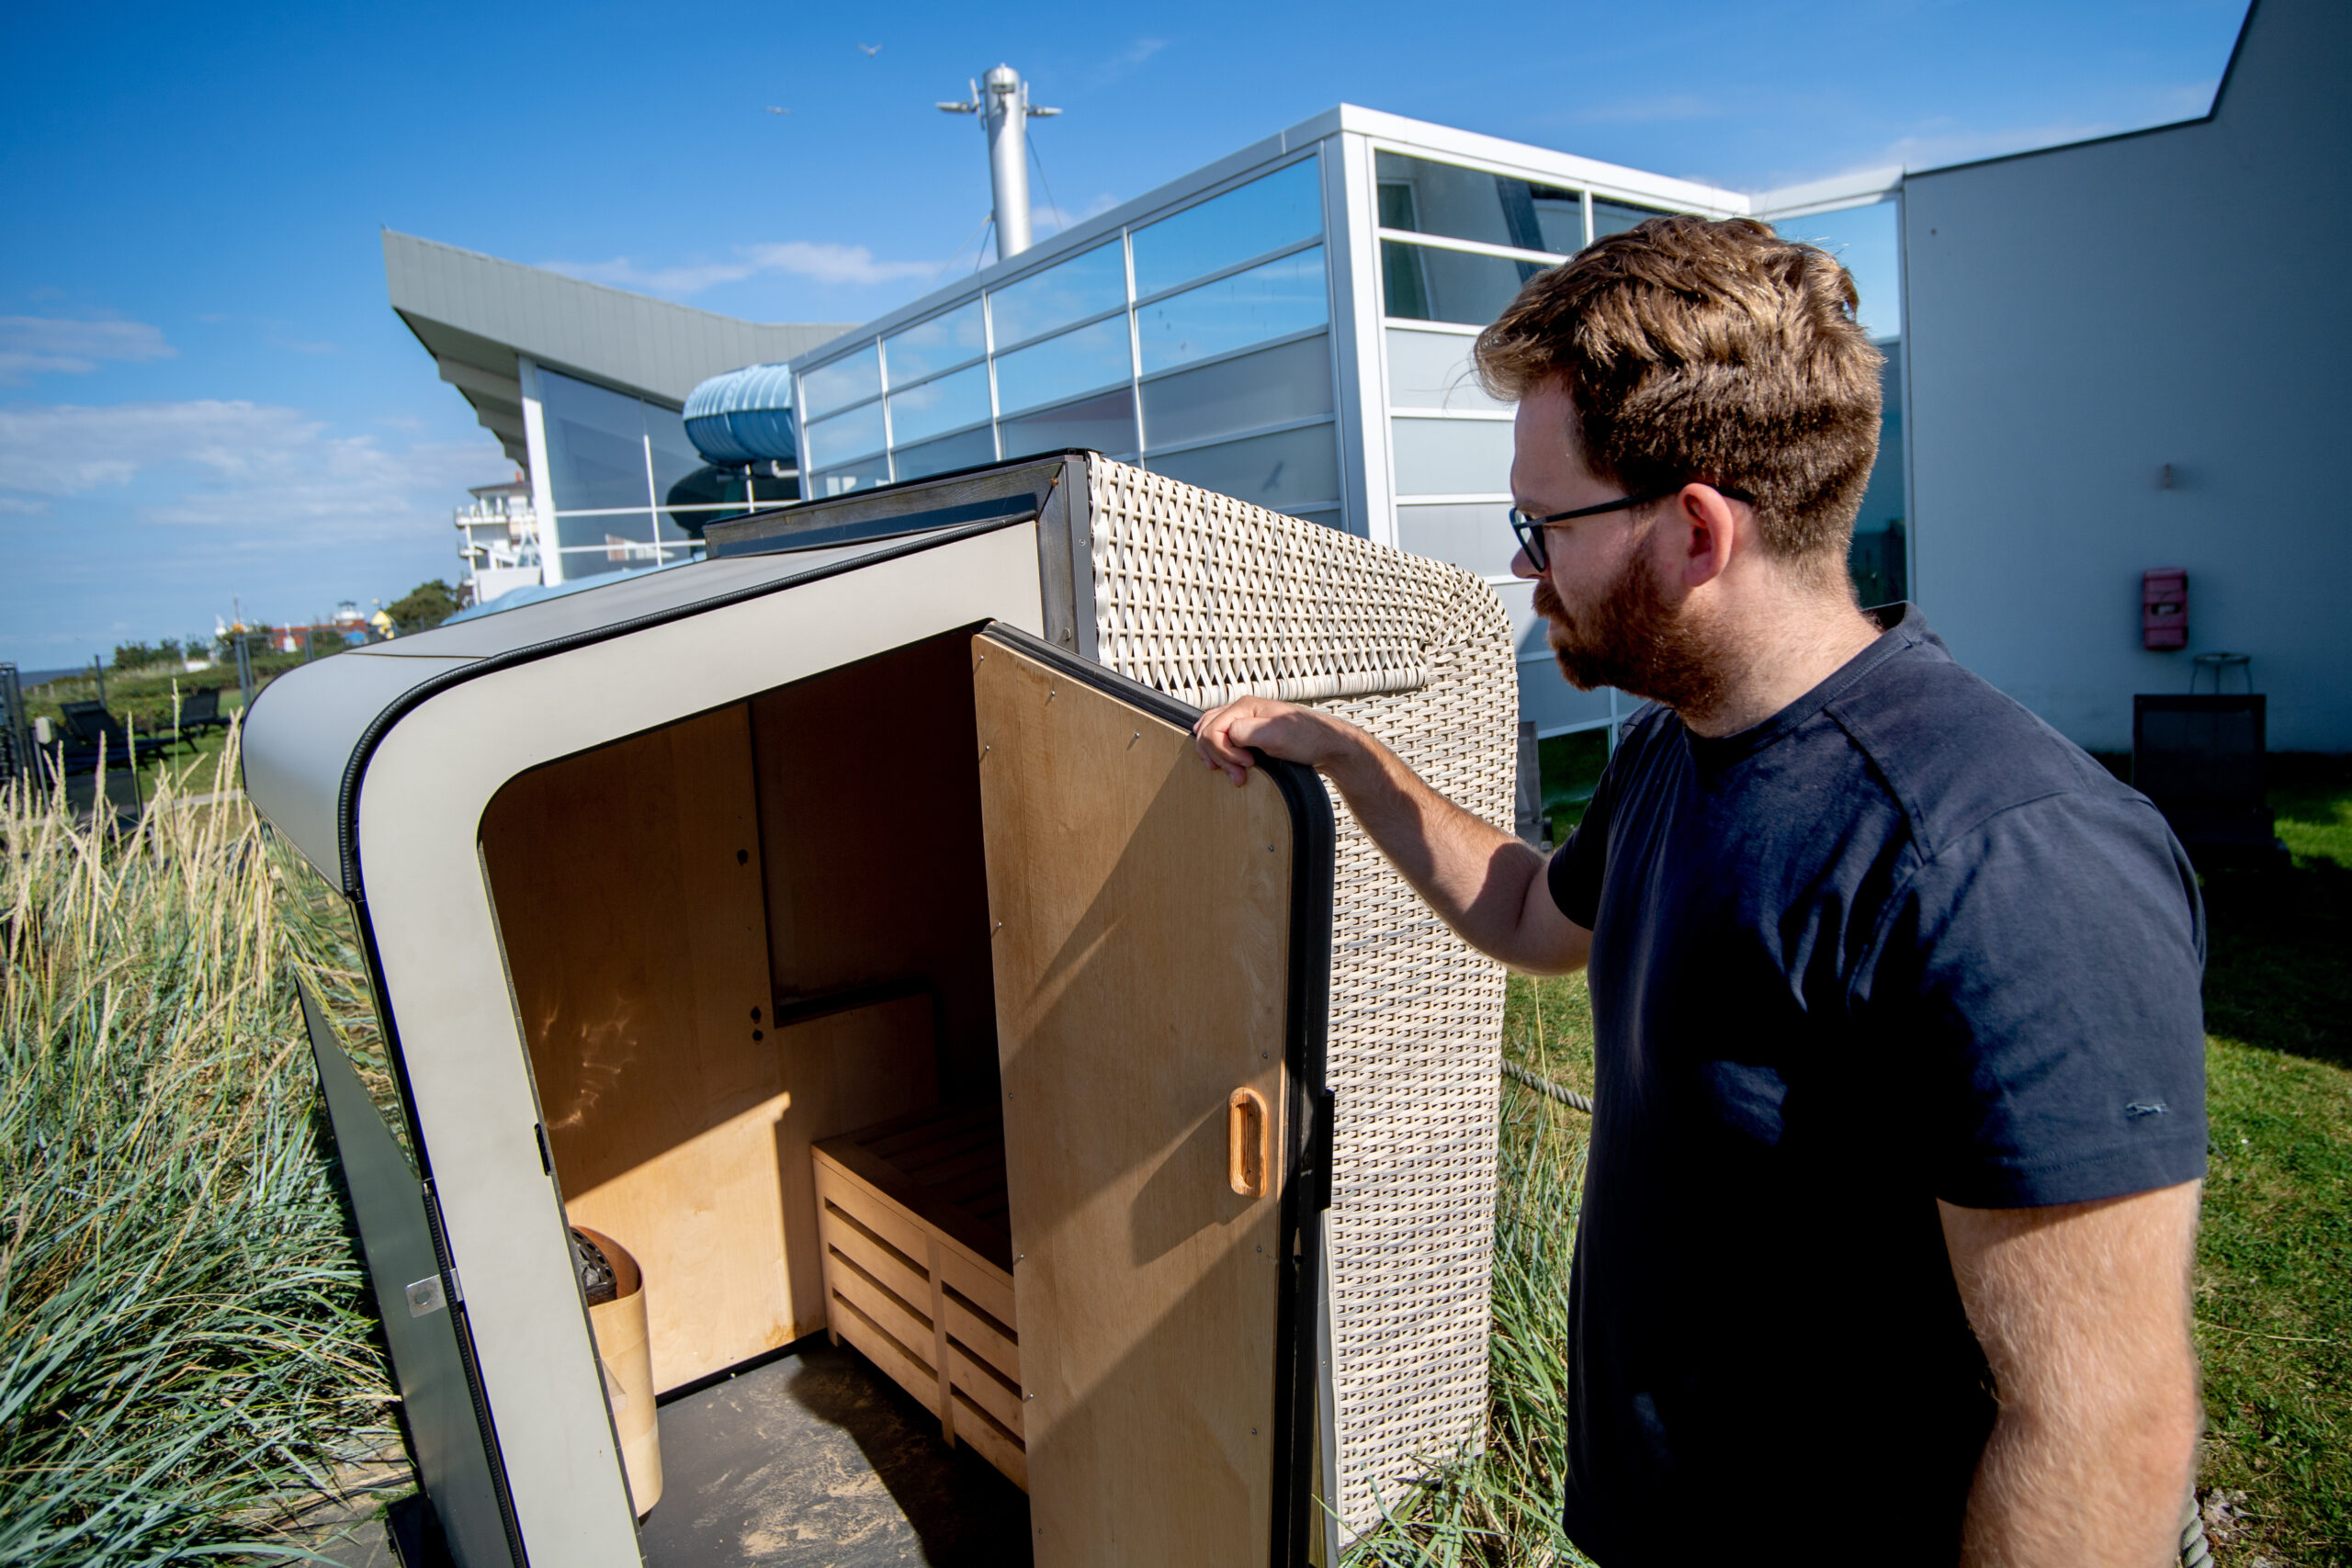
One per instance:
(1205,598)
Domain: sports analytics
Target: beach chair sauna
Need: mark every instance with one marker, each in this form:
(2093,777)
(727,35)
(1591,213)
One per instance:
(842,925)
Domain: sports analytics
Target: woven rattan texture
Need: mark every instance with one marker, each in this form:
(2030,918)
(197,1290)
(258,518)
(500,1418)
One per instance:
(1207,598)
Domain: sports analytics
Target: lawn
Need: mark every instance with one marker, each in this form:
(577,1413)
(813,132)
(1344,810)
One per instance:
(185,1354)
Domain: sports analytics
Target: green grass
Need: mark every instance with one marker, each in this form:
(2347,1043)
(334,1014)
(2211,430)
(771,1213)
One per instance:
(183,1340)
(2274,1290)
(142,698)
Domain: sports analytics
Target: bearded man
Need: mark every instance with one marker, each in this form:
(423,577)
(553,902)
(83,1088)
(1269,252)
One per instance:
(1899,1054)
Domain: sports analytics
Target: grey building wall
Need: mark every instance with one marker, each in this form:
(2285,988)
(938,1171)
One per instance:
(2080,318)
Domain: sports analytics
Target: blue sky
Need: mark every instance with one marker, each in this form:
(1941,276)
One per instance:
(204,396)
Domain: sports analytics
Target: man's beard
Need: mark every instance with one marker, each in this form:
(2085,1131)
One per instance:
(1631,639)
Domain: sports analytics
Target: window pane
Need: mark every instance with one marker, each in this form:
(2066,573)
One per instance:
(948,403)
(1616,217)
(595,445)
(1863,239)
(1476,537)
(1265,387)
(1474,204)
(852,435)
(1068,291)
(675,456)
(934,344)
(1428,285)
(1281,297)
(615,542)
(1453,456)
(1432,370)
(1074,361)
(1877,560)
(849,477)
(1266,214)
(967,450)
(842,383)
(705,486)
(595,562)
(1106,423)
(1286,470)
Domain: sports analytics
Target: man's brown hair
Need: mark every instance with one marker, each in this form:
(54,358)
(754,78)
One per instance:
(1713,350)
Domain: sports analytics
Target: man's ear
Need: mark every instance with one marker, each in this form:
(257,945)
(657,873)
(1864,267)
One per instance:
(1704,531)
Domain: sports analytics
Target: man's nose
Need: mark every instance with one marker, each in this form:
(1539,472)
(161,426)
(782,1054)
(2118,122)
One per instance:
(1523,565)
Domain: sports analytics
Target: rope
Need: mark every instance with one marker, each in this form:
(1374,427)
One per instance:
(1544,1085)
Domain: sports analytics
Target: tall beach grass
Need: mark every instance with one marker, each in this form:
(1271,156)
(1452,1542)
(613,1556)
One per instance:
(183,1343)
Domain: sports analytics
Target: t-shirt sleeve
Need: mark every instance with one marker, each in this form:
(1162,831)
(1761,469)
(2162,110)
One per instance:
(2040,979)
(1574,874)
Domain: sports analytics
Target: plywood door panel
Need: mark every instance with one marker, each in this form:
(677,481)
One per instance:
(1140,977)
(627,886)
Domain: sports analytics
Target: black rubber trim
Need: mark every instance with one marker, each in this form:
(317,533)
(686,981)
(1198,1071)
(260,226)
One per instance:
(997,510)
(1306,1192)
(356,767)
(769,544)
(470,1362)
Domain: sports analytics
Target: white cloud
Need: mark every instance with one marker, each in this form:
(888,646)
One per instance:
(1940,144)
(270,475)
(1047,219)
(817,261)
(35,346)
(1106,72)
(1657,109)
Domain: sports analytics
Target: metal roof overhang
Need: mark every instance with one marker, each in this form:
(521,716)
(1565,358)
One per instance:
(477,315)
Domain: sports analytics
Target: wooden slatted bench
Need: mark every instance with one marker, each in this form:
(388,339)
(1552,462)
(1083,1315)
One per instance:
(918,1260)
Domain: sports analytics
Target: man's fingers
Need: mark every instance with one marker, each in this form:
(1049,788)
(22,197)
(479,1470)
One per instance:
(1213,739)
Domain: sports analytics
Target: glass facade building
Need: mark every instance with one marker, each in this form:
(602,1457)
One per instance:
(1293,326)
(1196,341)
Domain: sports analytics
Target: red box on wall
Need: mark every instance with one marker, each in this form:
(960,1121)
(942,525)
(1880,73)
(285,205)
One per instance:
(2164,608)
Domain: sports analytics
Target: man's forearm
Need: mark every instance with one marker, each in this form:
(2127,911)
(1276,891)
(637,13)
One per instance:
(1476,877)
(2083,1310)
(1482,881)
(2054,1495)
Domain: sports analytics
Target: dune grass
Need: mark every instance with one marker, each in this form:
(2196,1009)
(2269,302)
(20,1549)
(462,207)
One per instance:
(182,1337)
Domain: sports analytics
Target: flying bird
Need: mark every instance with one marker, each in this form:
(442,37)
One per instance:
(772,109)
(871,50)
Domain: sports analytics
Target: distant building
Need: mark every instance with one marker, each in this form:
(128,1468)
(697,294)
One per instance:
(498,538)
(582,385)
(2083,383)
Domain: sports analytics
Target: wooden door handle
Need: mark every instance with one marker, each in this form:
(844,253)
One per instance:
(1244,1142)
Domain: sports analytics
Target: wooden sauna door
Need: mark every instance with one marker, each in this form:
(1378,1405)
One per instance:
(1147,938)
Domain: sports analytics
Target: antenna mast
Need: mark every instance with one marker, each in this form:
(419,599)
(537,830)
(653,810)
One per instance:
(1001,100)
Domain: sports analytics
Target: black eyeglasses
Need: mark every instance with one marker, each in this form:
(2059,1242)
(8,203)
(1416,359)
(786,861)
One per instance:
(1531,529)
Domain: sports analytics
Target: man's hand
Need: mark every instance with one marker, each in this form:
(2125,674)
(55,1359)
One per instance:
(1225,736)
(2083,1310)
(1484,884)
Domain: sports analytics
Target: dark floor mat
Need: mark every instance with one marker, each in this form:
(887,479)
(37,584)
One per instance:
(817,1458)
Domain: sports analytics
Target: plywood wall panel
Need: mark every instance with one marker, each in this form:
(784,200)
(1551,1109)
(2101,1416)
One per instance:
(629,901)
(870,830)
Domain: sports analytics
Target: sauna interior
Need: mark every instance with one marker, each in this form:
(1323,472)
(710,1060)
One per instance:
(750,952)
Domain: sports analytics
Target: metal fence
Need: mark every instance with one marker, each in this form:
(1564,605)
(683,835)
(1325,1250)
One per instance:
(15,730)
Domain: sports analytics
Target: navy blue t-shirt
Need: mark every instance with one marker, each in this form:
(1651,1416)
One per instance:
(1901,941)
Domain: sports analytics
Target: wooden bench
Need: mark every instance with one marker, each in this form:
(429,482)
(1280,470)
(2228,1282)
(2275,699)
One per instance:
(918,1260)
